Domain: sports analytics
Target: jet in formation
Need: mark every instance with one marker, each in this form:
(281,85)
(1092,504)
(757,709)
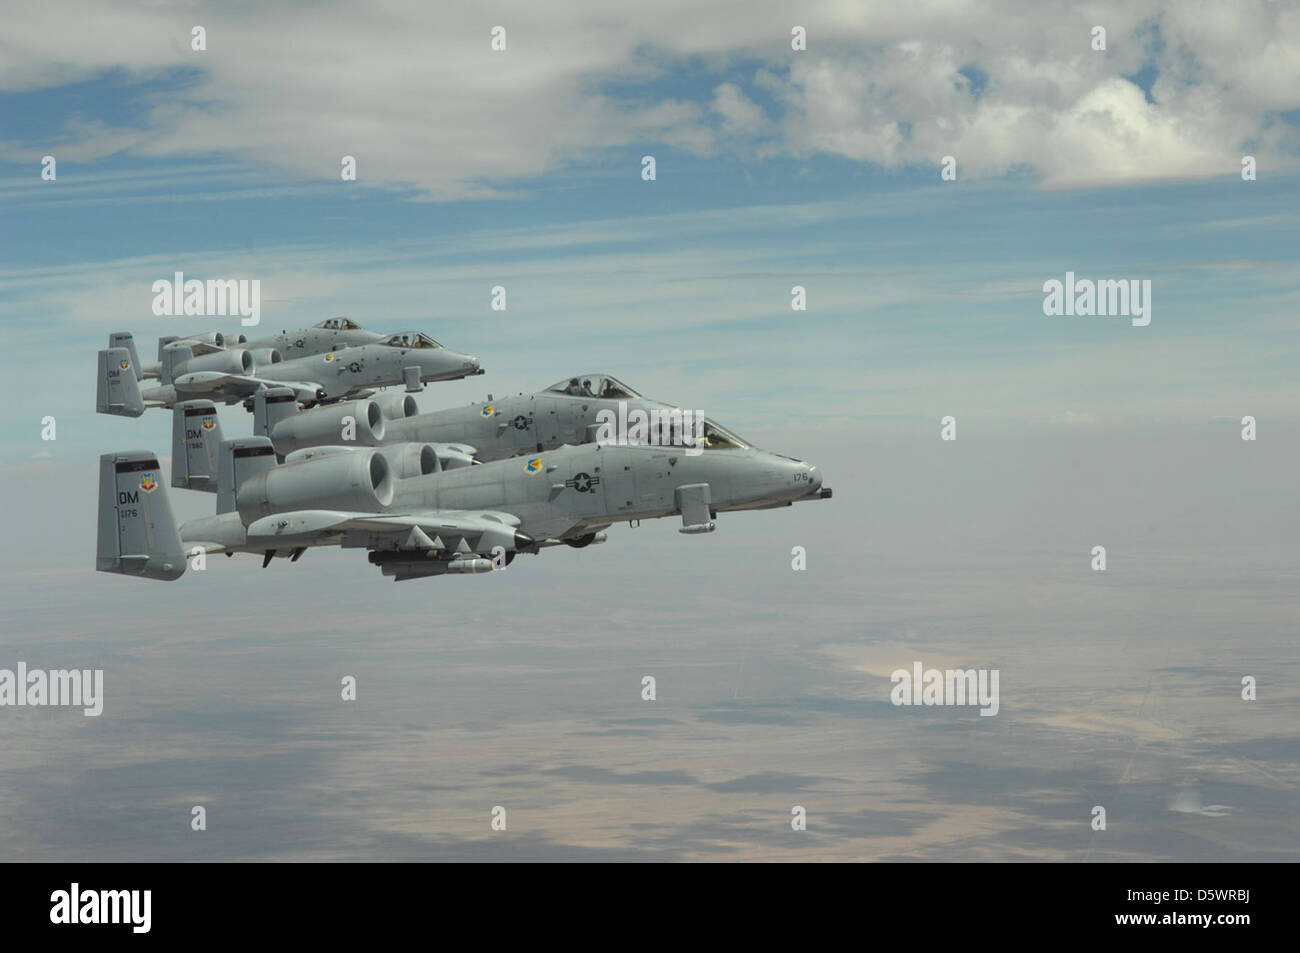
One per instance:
(461,490)
(417,519)
(209,366)
(567,412)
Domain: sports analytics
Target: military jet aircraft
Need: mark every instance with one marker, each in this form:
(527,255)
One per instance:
(464,520)
(322,337)
(202,370)
(565,412)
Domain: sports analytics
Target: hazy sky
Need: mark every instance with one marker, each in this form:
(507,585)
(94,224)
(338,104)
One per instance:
(774,168)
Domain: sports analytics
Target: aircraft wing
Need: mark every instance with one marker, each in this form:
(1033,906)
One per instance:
(420,534)
(236,386)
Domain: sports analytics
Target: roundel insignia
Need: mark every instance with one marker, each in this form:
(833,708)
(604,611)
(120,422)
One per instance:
(299,342)
(209,423)
(355,367)
(583,482)
(534,465)
(125,364)
(148,483)
(521,422)
(488,411)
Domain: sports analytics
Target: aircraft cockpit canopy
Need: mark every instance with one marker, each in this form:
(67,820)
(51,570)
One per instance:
(594,385)
(720,438)
(414,339)
(339,324)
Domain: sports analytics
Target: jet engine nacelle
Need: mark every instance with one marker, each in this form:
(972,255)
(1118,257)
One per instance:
(266,356)
(325,426)
(396,406)
(237,361)
(411,459)
(360,480)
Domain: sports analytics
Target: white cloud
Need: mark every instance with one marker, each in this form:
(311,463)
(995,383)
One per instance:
(416,94)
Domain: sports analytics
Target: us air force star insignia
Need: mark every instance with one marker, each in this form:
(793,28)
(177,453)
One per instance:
(298,343)
(521,422)
(582,482)
(355,367)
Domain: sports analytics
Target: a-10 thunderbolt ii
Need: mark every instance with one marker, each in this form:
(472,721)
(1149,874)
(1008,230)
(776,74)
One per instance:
(418,519)
(192,368)
(569,411)
(331,334)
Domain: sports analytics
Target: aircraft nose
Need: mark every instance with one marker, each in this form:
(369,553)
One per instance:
(814,476)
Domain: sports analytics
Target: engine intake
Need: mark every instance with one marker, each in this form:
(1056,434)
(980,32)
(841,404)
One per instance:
(266,356)
(237,361)
(411,459)
(360,480)
(396,406)
(324,426)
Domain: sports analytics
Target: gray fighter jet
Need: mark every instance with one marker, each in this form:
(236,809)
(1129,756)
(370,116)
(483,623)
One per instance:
(566,412)
(418,520)
(321,338)
(197,369)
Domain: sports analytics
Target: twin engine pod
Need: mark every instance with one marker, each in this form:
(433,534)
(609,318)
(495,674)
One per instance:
(405,460)
(266,356)
(359,422)
(236,361)
(359,480)
(396,406)
(356,422)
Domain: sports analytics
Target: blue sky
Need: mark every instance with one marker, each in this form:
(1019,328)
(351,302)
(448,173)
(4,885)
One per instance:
(774,168)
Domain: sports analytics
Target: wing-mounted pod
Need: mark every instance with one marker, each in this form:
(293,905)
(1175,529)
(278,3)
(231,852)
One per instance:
(196,445)
(116,389)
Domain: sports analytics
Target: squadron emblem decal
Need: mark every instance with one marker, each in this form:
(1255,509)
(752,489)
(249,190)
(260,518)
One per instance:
(148,483)
(329,358)
(209,422)
(534,465)
(124,365)
(489,410)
